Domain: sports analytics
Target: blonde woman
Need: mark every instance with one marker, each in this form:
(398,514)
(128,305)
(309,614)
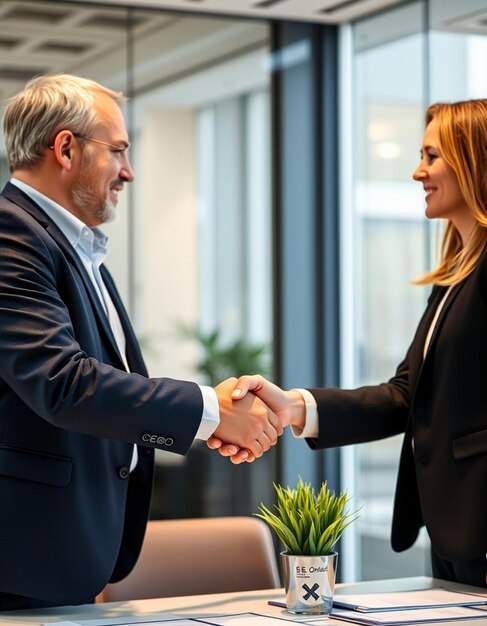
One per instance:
(438,395)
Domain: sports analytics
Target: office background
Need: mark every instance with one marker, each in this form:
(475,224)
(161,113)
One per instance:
(273,203)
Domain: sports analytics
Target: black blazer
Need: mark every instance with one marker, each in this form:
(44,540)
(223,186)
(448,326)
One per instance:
(72,517)
(440,403)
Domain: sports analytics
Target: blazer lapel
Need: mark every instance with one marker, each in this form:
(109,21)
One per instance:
(134,356)
(417,347)
(22,200)
(418,359)
(446,306)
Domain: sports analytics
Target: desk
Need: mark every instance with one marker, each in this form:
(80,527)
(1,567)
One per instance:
(218,604)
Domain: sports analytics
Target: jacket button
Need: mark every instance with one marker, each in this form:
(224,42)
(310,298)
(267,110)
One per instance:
(425,459)
(123,472)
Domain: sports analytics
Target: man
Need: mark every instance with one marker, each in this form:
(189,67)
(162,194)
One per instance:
(74,391)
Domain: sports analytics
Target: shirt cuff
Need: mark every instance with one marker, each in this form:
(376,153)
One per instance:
(311,424)
(211,414)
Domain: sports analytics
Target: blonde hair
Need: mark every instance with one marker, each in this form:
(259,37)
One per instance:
(462,138)
(45,106)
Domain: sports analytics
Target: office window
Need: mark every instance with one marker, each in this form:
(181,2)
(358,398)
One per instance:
(202,242)
(191,243)
(403,60)
(390,247)
(234,217)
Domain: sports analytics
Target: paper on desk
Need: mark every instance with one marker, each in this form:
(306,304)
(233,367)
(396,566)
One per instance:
(183,621)
(169,622)
(174,621)
(410,616)
(160,620)
(243,619)
(397,600)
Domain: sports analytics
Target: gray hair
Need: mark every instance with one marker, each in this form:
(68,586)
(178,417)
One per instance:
(44,107)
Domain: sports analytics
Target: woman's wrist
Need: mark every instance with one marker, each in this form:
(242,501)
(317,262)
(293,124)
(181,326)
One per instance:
(297,408)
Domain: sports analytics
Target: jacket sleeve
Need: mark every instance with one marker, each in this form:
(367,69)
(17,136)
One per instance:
(62,378)
(364,414)
(375,411)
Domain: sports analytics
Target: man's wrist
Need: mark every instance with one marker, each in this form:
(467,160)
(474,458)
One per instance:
(210,418)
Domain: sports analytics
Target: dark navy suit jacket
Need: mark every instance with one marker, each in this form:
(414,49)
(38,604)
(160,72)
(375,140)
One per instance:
(440,402)
(71,516)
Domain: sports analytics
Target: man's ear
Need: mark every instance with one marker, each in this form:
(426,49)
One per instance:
(65,148)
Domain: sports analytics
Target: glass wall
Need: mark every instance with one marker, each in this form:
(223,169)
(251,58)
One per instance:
(390,236)
(403,59)
(202,262)
(192,245)
(191,248)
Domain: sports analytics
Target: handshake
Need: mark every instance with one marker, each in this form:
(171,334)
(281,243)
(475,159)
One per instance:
(253,414)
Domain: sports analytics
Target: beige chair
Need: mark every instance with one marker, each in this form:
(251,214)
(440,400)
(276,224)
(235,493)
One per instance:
(196,556)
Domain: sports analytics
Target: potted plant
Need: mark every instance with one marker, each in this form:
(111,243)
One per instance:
(219,360)
(309,524)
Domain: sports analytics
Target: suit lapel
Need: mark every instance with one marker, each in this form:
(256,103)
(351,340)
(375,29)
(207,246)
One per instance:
(22,200)
(417,348)
(418,359)
(134,356)
(444,311)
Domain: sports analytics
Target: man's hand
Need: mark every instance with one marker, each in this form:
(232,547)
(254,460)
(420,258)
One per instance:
(288,406)
(250,426)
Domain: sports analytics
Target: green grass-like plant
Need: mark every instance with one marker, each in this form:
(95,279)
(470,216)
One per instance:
(308,523)
(218,361)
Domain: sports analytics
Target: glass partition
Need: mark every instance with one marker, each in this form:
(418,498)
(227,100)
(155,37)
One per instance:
(191,247)
(202,237)
(403,60)
(192,243)
(390,248)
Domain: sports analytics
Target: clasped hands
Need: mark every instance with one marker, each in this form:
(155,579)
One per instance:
(253,415)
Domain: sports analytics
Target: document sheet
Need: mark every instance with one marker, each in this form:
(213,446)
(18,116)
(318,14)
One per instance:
(240,619)
(409,616)
(374,609)
(424,598)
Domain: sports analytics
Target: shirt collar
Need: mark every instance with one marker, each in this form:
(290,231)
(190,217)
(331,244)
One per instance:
(91,241)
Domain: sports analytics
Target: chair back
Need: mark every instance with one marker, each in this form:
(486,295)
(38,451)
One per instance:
(199,556)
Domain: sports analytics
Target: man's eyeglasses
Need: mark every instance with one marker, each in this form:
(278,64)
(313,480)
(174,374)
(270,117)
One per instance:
(122,149)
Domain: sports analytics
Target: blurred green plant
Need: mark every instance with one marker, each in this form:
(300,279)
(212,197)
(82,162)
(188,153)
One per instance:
(218,362)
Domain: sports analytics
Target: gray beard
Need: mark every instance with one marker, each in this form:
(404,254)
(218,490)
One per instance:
(83,198)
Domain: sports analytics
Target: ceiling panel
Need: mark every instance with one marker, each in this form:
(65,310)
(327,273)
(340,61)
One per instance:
(324,11)
(39,37)
(47,37)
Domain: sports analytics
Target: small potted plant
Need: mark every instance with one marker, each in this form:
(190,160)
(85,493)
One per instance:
(309,524)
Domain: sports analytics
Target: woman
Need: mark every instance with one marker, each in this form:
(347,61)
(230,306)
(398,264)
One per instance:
(438,396)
